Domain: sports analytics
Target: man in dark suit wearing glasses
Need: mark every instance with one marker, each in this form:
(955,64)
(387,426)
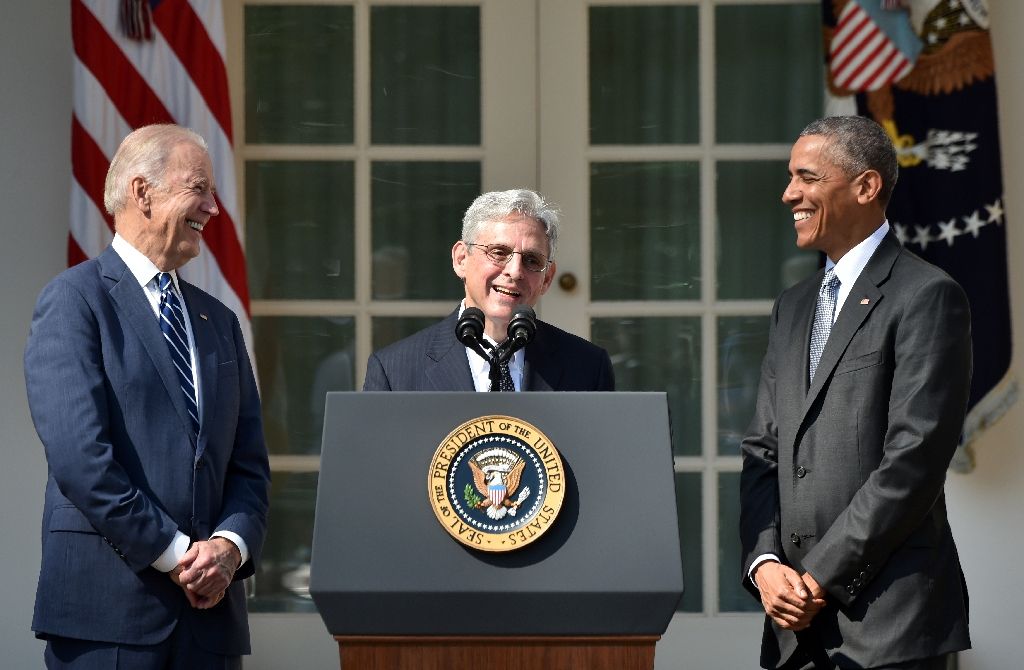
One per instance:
(505,260)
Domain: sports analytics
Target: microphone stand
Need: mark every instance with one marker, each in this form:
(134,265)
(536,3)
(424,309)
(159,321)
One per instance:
(521,329)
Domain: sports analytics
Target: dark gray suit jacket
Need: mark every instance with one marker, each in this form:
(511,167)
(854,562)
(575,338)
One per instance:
(126,470)
(844,479)
(434,360)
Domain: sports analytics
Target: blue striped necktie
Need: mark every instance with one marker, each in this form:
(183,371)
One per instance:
(172,323)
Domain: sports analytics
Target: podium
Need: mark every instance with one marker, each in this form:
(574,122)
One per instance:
(595,591)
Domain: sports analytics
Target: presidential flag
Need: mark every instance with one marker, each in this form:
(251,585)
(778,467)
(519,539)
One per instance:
(138,62)
(948,204)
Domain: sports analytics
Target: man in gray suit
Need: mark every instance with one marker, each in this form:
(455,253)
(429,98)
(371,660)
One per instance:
(504,259)
(861,404)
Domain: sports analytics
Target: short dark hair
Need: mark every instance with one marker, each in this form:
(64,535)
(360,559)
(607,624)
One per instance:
(856,144)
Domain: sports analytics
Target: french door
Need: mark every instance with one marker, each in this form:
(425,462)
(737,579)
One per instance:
(662,130)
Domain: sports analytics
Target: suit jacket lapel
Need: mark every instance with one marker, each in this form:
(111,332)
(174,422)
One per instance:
(543,369)
(206,356)
(447,367)
(135,308)
(862,300)
(794,335)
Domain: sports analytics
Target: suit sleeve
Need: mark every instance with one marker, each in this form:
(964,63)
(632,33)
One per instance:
(759,484)
(69,398)
(926,406)
(606,373)
(245,503)
(376,378)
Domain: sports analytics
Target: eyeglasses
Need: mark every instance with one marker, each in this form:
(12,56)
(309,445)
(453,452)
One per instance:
(500,255)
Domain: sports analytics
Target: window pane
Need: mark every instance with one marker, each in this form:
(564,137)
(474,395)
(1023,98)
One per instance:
(299,232)
(732,597)
(742,342)
(299,360)
(645,231)
(281,583)
(768,71)
(425,75)
(298,74)
(659,354)
(417,217)
(757,253)
(643,75)
(388,329)
(688,507)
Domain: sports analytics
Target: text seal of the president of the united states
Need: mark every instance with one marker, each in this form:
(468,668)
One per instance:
(496,483)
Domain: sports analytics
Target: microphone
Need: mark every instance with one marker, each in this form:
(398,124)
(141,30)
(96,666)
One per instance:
(470,330)
(521,328)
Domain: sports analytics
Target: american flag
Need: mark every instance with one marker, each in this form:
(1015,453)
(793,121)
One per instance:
(873,45)
(138,62)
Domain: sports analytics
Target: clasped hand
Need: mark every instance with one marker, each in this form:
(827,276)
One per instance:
(791,600)
(206,571)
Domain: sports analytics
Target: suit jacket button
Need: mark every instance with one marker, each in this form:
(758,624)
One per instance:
(795,539)
(199,464)
(851,589)
(801,472)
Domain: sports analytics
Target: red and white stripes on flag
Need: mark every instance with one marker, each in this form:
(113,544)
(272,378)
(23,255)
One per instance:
(861,56)
(124,80)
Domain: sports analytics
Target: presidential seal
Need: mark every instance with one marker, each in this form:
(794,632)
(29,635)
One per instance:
(496,483)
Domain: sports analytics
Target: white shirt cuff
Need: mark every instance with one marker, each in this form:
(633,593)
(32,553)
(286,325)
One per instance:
(239,542)
(763,558)
(173,553)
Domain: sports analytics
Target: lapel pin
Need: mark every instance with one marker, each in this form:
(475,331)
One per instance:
(203,317)
(863,301)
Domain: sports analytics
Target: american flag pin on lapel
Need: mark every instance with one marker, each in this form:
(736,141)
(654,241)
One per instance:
(863,301)
(203,317)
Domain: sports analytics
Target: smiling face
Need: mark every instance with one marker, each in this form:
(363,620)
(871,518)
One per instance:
(496,289)
(177,211)
(831,212)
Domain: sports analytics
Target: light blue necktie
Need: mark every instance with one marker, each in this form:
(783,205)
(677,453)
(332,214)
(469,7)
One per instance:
(172,324)
(824,314)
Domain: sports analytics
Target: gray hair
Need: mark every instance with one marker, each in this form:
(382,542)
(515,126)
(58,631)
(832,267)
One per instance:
(143,153)
(856,144)
(499,205)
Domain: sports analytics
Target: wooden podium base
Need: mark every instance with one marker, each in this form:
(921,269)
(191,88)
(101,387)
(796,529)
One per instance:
(496,653)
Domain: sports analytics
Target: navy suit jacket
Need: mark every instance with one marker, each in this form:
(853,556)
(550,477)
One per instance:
(843,477)
(126,470)
(434,360)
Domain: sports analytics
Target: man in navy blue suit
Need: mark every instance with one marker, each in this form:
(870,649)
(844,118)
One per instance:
(504,259)
(143,396)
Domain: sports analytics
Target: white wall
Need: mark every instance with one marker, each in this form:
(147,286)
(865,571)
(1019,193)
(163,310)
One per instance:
(986,506)
(35,85)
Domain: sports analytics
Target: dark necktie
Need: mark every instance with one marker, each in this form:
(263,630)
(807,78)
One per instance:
(504,379)
(824,314)
(172,324)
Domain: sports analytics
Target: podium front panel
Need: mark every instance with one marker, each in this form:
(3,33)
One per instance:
(383,565)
